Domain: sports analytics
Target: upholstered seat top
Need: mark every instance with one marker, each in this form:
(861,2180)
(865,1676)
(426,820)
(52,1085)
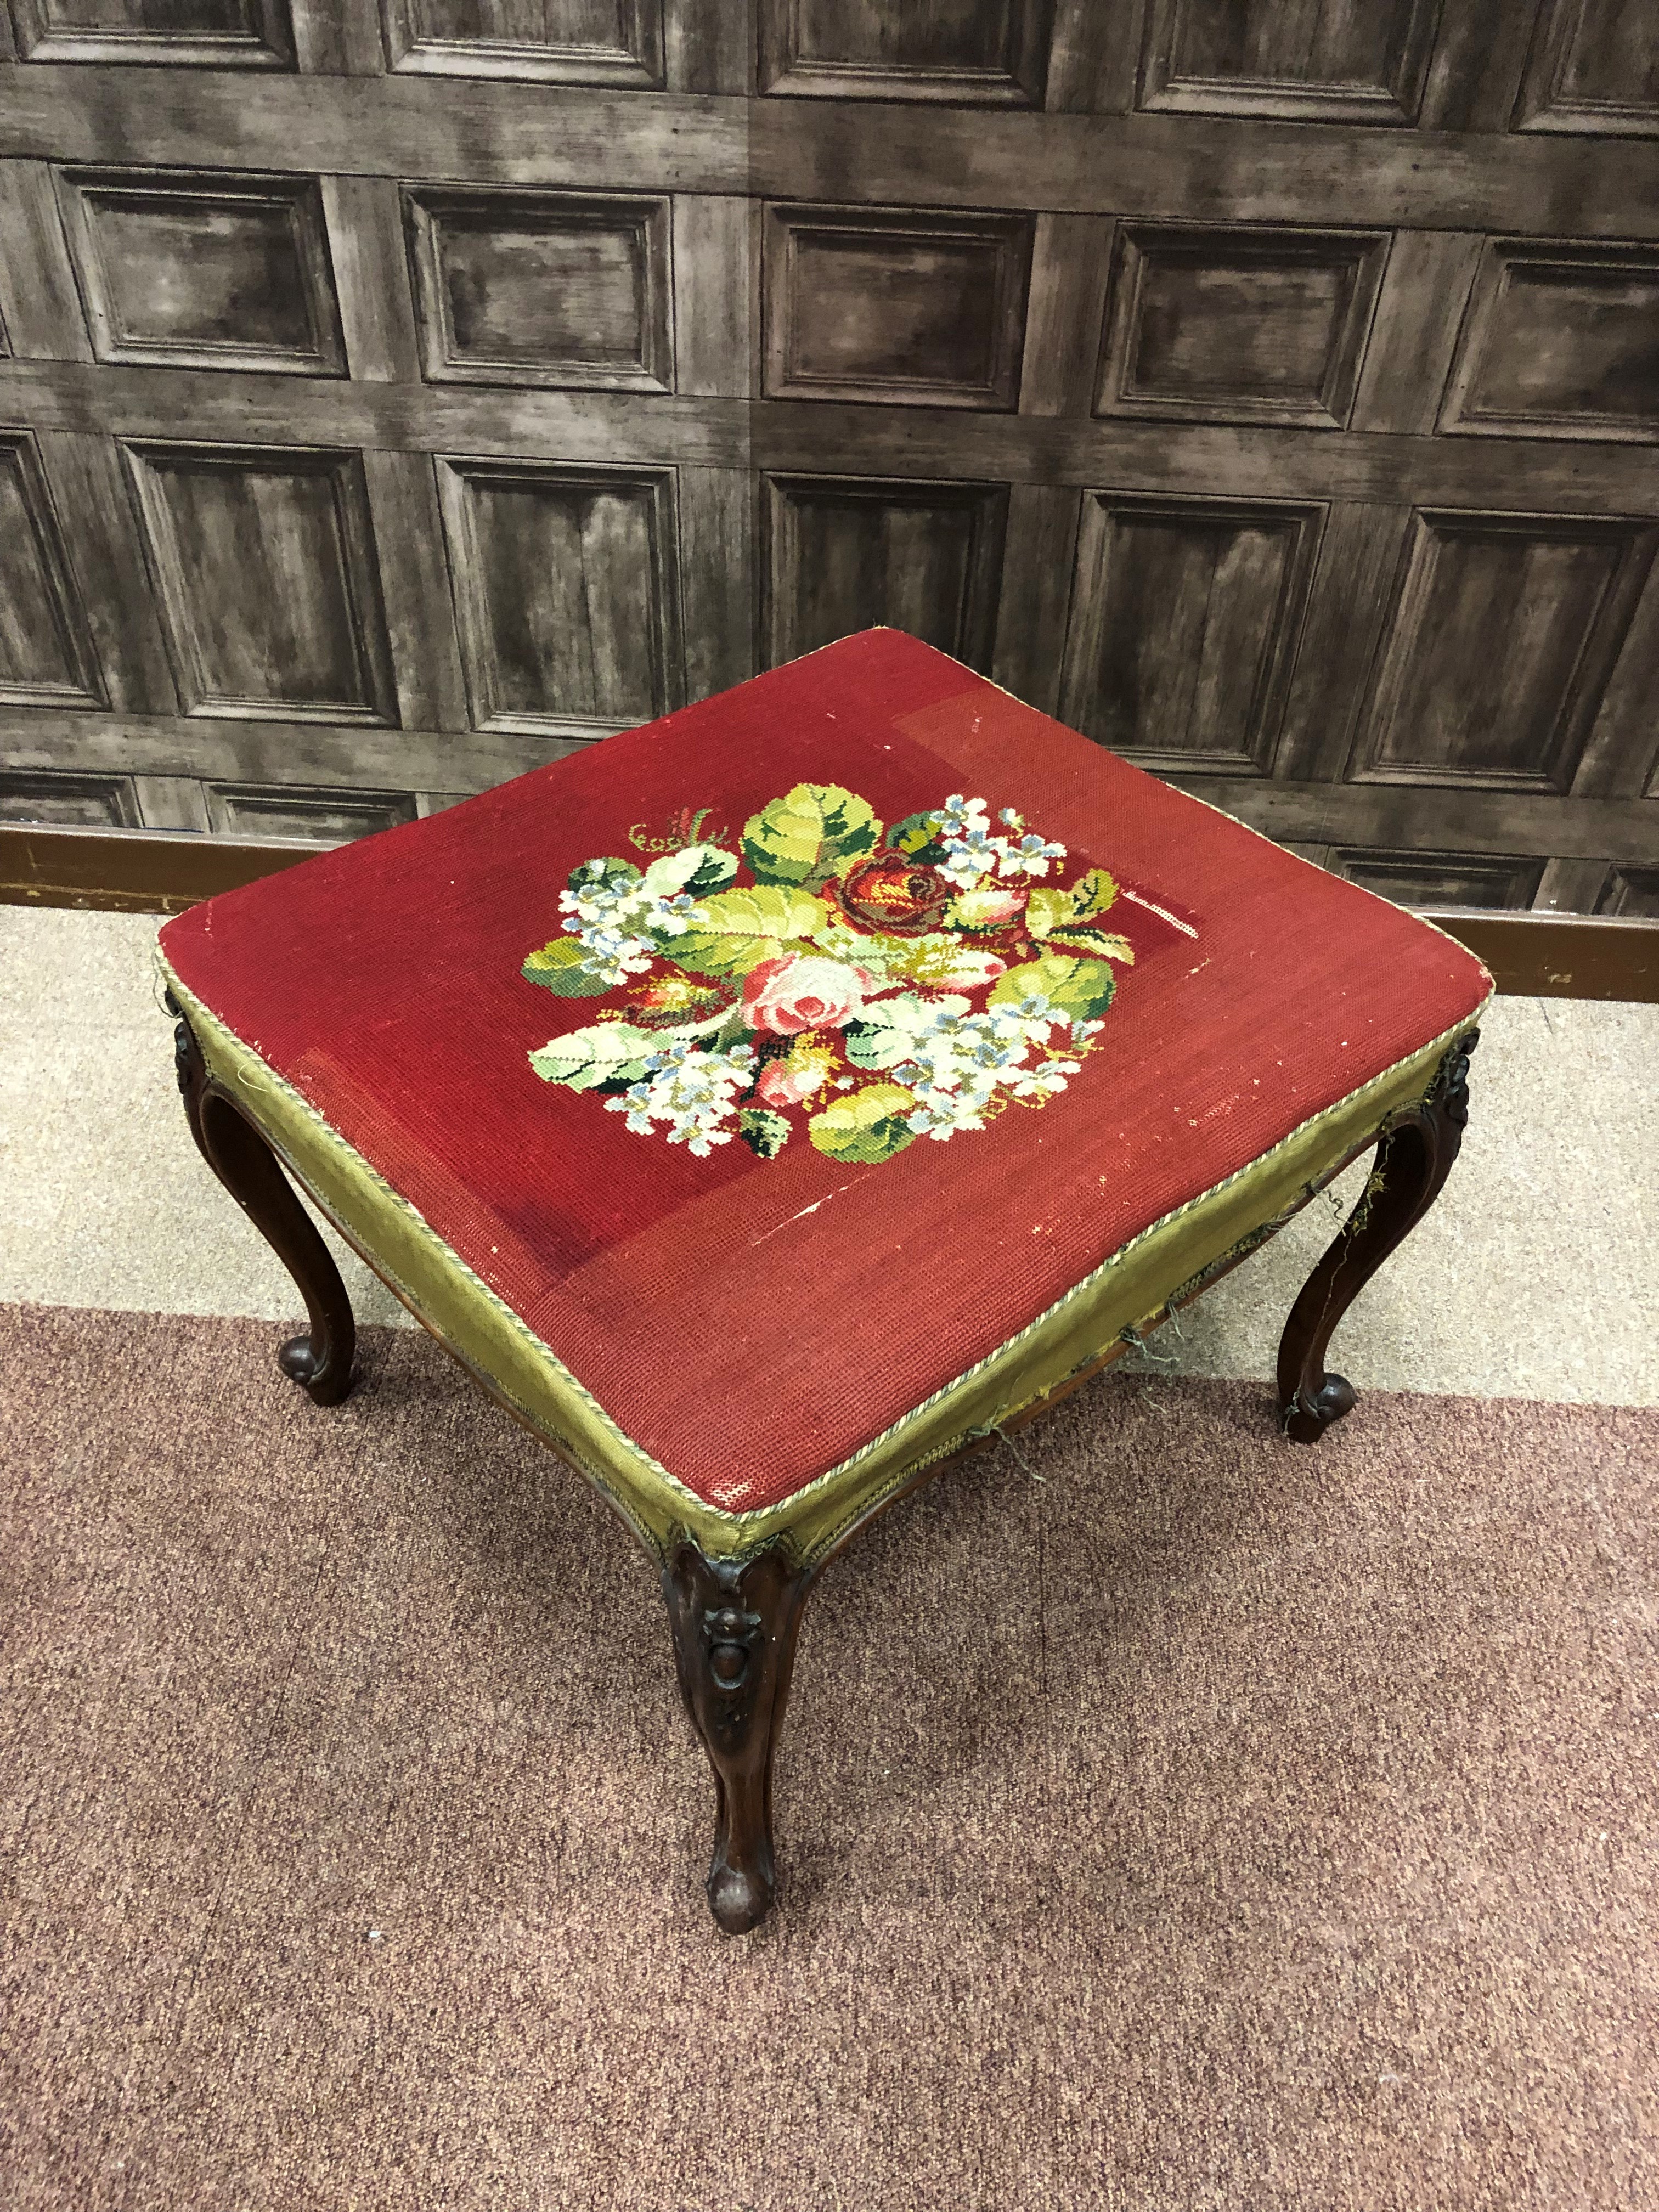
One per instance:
(775,1064)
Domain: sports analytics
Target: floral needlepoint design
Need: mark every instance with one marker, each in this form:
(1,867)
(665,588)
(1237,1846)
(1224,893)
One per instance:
(884,984)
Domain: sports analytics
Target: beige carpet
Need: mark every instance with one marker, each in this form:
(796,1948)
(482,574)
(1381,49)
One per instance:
(1179,1819)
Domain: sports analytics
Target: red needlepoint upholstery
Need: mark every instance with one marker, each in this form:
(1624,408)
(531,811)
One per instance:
(775,1064)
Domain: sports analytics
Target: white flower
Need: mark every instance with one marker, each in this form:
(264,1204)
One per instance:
(689,1089)
(1046,1078)
(957,1062)
(618,924)
(971,853)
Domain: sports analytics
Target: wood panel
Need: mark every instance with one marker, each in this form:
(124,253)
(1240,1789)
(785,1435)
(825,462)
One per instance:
(45,649)
(1271,388)
(912,309)
(1419,878)
(1318,61)
(330,817)
(184,272)
(543,289)
(262,561)
(1593,67)
(1246,326)
(990,52)
(556,41)
(79,802)
(1560,344)
(92,491)
(1632,894)
(1185,617)
(1071,265)
(365,219)
(268,750)
(40,313)
(849,553)
(1504,632)
(1039,547)
(1149,166)
(1250,461)
(173,802)
(596,646)
(1403,817)
(184,33)
(1414,334)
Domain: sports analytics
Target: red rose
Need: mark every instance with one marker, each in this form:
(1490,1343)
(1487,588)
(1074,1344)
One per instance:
(890,891)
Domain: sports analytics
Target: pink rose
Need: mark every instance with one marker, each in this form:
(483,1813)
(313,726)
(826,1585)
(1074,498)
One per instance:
(999,905)
(800,991)
(781,1085)
(964,970)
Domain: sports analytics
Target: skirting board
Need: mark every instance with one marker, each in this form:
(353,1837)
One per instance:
(131,871)
(155,872)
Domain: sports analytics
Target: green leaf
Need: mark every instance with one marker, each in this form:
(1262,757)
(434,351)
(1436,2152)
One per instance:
(609,1053)
(877,954)
(1098,943)
(697,868)
(1047,912)
(866,1126)
(869,1047)
(945,963)
(563,967)
(886,1032)
(807,834)
(941,960)
(916,836)
(1079,989)
(765,1134)
(1093,893)
(592,875)
(736,930)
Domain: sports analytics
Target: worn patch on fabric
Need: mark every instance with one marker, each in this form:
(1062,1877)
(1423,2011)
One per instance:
(885,983)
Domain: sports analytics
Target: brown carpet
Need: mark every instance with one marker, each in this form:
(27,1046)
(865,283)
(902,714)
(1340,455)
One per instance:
(1181,1820)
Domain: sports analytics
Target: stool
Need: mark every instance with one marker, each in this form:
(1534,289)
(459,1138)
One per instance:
(773,1103)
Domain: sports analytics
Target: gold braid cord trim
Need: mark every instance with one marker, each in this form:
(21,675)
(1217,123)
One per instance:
(445,1295)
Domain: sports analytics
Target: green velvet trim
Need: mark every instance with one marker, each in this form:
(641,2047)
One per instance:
(1126,1291)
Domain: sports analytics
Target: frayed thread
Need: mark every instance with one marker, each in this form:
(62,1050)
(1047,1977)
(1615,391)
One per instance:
(1020,1460)
(1141,1345)
(988,1428)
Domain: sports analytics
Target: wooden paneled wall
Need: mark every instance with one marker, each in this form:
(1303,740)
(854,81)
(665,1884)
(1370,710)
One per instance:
(395,393)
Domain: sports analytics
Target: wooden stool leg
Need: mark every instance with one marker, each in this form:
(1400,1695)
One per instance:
(1413,1159)
(244,1163)
(734,1623)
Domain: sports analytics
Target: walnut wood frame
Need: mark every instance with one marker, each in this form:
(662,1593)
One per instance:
(733,1622)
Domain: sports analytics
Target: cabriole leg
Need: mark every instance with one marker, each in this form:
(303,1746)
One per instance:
(734,1623)
(244,1163)
(1413,1159)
